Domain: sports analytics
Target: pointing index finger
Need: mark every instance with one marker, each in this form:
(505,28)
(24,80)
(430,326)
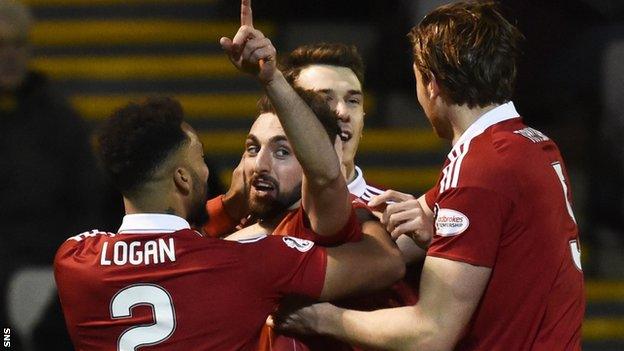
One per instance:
(246,15)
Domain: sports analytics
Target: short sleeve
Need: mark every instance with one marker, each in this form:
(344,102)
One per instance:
(469,222)
(290,265)
(219,221)
(298,225)
(431,195)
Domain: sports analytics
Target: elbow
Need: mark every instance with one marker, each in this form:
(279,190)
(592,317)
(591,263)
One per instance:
(394,268)
(431,339)
(325,177)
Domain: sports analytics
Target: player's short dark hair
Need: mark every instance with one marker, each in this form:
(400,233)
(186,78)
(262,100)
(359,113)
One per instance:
(318,105)
(137,138)
(471,50)
(334,54)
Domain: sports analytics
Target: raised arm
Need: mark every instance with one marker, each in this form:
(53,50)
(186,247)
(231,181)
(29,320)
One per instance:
(450,293)
(325,196)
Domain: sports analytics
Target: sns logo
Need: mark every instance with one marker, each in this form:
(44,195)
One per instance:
(450,222)
(7,337)
(299,244)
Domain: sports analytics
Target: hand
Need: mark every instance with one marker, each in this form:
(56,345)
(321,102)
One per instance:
(405,215)
(250,51)
(306,320)
(235,201)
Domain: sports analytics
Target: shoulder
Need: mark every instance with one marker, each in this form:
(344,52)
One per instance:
(488,161)
(90,234)
(273,247)
(80,245)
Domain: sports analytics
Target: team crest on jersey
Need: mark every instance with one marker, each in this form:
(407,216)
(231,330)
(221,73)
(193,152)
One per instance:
(298,244)
(450,222)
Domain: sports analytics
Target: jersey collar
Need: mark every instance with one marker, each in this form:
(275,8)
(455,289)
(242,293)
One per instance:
(141,223)
(358,185)
(498,114)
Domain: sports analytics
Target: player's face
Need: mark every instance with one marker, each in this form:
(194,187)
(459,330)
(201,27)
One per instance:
(14,54)
(343,91)
(199,174)
(272,171)
(433,112)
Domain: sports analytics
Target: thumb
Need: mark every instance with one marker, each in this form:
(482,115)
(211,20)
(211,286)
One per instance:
(226,44)
(270,322)
(377,200)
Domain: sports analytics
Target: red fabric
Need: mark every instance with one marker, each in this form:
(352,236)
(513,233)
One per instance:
(296,224)
(400,294)
(219,221)
(221,291)
(518,225)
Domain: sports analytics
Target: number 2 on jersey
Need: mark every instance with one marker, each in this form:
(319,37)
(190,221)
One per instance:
(162,309)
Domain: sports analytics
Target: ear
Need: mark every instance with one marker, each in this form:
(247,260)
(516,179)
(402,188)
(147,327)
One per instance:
(182,180)
(433,89)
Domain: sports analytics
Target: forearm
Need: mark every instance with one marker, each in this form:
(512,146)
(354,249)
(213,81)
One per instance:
(390,329)
(305,132)
(371,264)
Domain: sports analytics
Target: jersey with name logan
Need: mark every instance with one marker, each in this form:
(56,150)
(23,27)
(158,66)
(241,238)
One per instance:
(138,253)
(158,283)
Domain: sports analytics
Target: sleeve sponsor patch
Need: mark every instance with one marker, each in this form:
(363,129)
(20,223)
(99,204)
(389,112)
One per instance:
(450,222)
(298,244)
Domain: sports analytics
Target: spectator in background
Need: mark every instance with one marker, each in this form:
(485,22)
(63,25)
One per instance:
(49,182)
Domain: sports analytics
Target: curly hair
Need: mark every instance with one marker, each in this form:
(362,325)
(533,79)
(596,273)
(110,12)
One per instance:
(318,105)
(471,50)
(334,54)
(137,138)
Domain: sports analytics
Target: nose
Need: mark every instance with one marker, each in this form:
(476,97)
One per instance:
(263,161)
(342,112)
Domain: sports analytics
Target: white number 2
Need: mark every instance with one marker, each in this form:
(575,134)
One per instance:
(162,309)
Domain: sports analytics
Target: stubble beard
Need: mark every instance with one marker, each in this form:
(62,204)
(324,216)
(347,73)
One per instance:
(268,209)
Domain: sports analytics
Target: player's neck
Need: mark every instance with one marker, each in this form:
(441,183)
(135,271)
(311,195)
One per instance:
(349,171)
(462,117)
(269,224)
(137,206)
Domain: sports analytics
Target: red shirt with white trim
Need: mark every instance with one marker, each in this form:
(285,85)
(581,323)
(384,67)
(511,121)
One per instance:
(359,187)
(503,201)
(157,282)
(403,292)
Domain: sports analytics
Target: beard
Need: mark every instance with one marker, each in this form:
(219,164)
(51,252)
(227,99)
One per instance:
(269,208)
(198,215)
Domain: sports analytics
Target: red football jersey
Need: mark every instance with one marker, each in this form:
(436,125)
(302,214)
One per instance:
(503,201)
(158,283)
(403,292)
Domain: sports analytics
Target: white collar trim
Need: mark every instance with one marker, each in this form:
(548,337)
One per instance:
(358,185)
(141,223)
(498,114)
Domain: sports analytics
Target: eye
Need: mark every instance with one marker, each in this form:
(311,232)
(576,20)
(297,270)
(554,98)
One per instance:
(354,101)
(282,152)
(252,150)
(327,97)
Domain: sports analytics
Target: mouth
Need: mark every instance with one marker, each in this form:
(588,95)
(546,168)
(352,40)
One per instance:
(345,135)
(263,186)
